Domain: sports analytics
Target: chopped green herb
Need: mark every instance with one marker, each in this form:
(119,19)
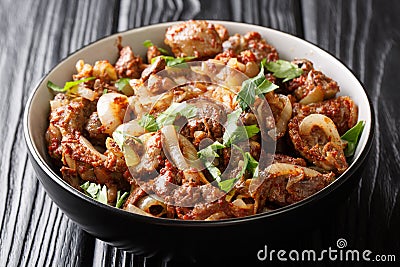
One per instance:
(352,136)
(124,87)
(284,69)
(253,87)
(252,165)
(55,87)
(169,115)
(67,85)
(95,191)
(209,152)
(102,197)
(149,43)
(149,123)
(214,171)
(121,199)
(105,91)
(207,155)
(119,138)
(249,164)
(234,133)
(173,61)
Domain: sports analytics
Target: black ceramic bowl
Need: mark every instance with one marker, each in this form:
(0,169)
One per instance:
(198,239)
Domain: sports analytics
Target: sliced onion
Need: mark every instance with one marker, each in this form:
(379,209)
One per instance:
(131,128)
(181,152)
(110,109)
(286,169)
(69,161)
(324,123)
(284,117)
(240,203)
(216,216)
(131,157)
(171,146)
(146,203)
(134,209)
(86,93)
(316,95)
(89,146)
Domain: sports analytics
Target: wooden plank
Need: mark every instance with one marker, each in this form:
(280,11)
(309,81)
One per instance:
(35,36)
(281,15)
(362,34)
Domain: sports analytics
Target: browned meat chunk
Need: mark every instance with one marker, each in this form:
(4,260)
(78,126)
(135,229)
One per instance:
(95,130)
(208,124)
(158,65)
(318,147)
(341,110)
(152,52)
(128,65)
(281,158)
(254,43)
(193,38)
(312,86)
(222,32)
(286,185)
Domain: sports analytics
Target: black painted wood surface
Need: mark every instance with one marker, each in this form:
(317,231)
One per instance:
(36,34)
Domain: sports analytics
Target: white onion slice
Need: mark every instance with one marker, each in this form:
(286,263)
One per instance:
(286,169)
(134,209)
(284,117)
(324,123)
(315,96)
(110,109)
(170,144)
(86,93)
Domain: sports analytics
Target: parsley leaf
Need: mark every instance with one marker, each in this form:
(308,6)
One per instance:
(149,43)
(148,122)
(209,152)
(121,199)
(119,137)
(124,87)
(102,196)
(252,165)
(352,136)
(95,191)
(169,115)
(173,61)
(253,87)
(67,85)
(234,133)
(207,155)
(284,69)
(249,164)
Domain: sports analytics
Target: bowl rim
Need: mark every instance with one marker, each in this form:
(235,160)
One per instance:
(196,223)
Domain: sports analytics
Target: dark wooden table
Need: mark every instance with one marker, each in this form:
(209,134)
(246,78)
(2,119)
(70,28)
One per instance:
(36,34)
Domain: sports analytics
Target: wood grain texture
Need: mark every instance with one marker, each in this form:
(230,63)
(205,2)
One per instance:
(36,34)
(362,34)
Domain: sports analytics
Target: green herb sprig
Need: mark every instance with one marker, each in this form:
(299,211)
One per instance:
(68,85)
(253,87)
(173,61)
(352,136)
(149,43)
(283,69)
